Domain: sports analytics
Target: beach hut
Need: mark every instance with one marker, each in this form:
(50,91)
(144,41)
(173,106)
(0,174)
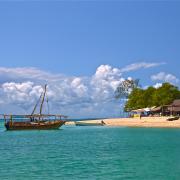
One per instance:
(160,111)
(141,112)
(176,103)
(156,110)
(166,110)
(174,108)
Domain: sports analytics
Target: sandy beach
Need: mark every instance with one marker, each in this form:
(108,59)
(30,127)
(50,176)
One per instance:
(137,122)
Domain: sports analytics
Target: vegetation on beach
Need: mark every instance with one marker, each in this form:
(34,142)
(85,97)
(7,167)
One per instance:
(141,98)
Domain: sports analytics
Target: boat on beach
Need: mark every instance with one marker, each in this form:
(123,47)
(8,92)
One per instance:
(173,118)
(83,123)
(35,121)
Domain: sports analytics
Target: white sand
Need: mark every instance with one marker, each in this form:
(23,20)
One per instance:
(137,122)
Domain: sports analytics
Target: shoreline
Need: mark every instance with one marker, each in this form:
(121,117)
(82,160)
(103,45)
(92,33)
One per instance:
(159,122)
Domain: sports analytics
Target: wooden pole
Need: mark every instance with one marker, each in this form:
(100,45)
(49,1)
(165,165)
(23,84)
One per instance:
(11,119)
(36,104)
(43,99)
(5,119)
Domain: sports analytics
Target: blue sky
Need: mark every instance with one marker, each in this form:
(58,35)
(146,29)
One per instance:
(75,38)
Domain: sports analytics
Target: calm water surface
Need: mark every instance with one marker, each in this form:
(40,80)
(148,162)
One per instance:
(90,153)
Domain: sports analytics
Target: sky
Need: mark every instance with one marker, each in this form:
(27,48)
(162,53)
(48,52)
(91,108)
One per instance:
(83,50)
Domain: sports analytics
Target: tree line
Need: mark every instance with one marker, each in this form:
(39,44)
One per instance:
(142,98)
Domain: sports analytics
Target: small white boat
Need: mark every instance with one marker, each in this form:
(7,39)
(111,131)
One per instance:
(83,123)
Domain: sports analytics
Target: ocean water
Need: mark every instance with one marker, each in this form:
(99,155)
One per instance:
(90,153)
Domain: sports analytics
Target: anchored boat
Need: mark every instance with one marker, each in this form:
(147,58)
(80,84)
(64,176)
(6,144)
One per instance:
(83,123)
(35,121)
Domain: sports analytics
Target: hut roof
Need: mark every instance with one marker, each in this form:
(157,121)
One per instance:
(138,110)
(156,109)
(142,110)
(176,102)
(174,108)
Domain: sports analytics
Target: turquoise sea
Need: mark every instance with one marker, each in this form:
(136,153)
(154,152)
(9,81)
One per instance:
(90,153)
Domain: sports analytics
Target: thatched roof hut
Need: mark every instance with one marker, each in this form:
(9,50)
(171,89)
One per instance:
(156,109)
(176,103)
(171,109)
(138,110)
(174,108)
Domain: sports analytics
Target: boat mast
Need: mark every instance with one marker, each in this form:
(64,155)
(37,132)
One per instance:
(43,99)
(35,107)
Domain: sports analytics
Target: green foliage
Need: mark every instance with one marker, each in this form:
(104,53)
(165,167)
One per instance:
(140,98)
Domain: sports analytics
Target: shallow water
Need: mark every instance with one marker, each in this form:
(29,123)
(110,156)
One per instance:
(90,153)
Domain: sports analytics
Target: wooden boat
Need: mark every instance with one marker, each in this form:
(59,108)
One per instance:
(29,122)
(173,118)
(35,121)
(83,123)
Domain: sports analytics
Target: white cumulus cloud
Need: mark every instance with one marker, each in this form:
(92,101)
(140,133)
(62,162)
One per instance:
(91,96)
(85,96)
(165,77)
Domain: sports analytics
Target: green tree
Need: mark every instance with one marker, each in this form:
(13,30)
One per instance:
(148,96)
(135,99)
(140,98)
(165,95)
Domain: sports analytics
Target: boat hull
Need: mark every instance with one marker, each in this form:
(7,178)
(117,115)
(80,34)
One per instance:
(89,124)
(173,118)
(34,125)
